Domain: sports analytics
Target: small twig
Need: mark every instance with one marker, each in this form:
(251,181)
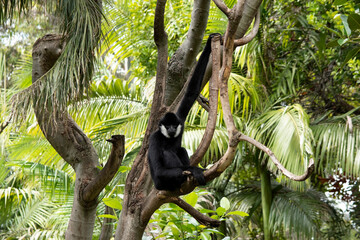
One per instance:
(92,190)
(244,40)
(201,218)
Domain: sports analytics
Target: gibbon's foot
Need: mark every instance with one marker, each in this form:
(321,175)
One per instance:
(186,173)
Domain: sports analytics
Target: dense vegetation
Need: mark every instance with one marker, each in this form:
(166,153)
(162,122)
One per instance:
(295,88)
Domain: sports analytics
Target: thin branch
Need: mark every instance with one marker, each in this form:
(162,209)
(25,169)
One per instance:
(3,126)
(273,158)
(204,102)
(111,167)
(244,40)
(213,103)
(221,5)
(201,218)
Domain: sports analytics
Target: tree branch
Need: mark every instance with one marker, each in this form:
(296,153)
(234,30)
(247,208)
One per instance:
(182,61)
(3,126)
(93,189)
(201,218)
(273,158)
(244,40)
(160,38)
(213,104)
(204,102)
(225,161)
(222,6)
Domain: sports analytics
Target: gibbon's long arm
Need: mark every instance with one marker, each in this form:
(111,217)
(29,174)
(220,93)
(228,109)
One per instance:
(193,89)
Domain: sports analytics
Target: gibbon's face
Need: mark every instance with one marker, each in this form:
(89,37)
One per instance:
(170,125)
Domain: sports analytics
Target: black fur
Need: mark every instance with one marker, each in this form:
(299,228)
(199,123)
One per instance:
(166,157)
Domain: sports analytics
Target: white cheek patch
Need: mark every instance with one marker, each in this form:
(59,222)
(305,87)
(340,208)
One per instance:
(164,131)
(178,130)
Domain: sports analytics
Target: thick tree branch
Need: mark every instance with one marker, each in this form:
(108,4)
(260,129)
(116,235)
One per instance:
(93,189)
(252,34)
(201,218)
(183,60)
(160,38)
(213,104)
(222,6)
(248,14)
(225,161)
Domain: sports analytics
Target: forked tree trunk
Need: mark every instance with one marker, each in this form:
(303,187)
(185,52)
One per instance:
(68,140)
(73,145)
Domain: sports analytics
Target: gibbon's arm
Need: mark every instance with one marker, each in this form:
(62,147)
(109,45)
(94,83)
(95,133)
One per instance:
(193,89)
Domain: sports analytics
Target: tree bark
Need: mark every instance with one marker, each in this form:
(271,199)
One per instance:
(183,60)
(72,144)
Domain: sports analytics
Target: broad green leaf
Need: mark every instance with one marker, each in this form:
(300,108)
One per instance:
(344,20)
(113,203)
(354,21)
(225,203)
(207,211)
(205,236)
(108,216)
(333,43)
(339,2)
(352,53)
(191,198)
(239,213)
(342,41)
(220,211)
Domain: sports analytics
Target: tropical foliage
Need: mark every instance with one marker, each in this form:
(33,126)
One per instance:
(294,88)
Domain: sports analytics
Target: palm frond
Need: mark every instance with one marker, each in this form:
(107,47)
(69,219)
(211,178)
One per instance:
(287,133)
(302,214)
(8,7)
(338,146)
(70,77)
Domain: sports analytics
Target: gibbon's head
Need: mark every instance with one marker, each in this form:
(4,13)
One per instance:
(170,125)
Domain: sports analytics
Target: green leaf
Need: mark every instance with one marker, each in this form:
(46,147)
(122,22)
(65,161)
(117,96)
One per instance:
(352,53)
(191,198)
(113,203)
(108,216)
(238,213)
(225,203)
(344,19)
(205,236)
(123,169)
(220,211)
(333,43)
(207,211)
(342,41)
(354,21)
(339,2)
